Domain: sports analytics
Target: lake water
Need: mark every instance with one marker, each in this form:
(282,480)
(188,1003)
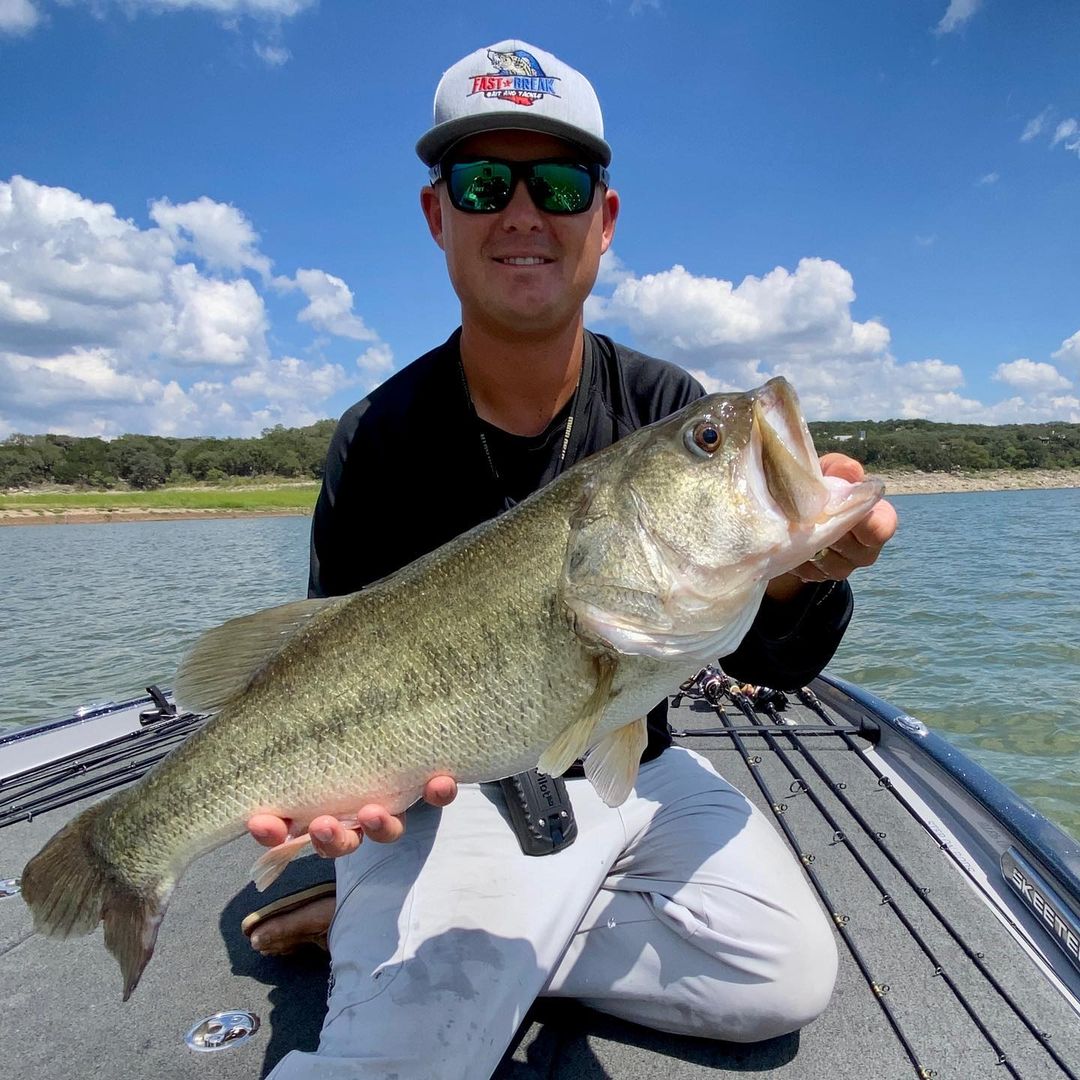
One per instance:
(970,620)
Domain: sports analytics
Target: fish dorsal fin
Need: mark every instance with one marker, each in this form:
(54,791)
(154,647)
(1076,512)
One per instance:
(221,664)
(572,742)
(612,764)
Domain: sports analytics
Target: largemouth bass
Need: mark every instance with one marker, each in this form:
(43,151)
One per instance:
(534,639)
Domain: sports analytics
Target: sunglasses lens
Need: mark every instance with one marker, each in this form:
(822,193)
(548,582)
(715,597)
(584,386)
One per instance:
(561,188)
(480,187)
(486,187)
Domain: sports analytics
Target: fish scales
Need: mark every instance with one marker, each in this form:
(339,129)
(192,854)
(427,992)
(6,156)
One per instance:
(476,705)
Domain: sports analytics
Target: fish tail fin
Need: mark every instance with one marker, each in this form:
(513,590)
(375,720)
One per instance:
(70,888)
(132,920)
(64,883)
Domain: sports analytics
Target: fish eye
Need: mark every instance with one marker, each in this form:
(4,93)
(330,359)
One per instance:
(705,437)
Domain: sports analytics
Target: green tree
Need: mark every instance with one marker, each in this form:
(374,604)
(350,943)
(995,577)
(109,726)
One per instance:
(146,470)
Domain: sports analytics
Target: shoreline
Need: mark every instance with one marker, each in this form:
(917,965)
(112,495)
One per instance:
(896,483)
(913,482)
(24,516)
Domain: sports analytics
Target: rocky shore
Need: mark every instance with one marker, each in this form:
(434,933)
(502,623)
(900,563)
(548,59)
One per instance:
(913,482)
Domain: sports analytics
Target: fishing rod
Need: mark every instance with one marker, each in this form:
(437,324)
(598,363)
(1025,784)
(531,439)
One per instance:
(714,685)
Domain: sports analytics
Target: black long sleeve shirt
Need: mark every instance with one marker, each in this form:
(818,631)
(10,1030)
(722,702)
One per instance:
(408,470)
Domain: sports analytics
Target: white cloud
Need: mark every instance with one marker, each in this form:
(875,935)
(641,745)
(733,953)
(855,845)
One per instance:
(799,324)
(1035,125)
(1066,132)
(215,323)
(86,392)
(1063,131)
(218,234)
(926,241)
(612,269)
(988,178)
(1039,408)
(14,309)
(1024,374)
(958,13)
(261,9)
(104,324)
(777,316)
(1070,351)
(79,375)
(291,380)
(274,55)
(22,16)
(330,305)
(18,16)
(377,361)
(102,281)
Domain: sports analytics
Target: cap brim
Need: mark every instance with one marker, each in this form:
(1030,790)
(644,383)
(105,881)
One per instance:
(433,145)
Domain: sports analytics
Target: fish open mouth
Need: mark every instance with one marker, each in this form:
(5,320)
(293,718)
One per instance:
(792,473)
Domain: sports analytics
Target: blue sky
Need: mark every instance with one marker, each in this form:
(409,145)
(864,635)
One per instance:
(209,219)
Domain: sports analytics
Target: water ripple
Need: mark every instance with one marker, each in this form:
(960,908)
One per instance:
(969,621)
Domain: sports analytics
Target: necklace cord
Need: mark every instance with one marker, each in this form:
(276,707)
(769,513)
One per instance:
(507,502)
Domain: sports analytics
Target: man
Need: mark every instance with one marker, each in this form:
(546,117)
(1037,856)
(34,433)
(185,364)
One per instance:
(681,909)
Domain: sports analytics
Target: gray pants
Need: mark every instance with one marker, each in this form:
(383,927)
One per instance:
(682,910)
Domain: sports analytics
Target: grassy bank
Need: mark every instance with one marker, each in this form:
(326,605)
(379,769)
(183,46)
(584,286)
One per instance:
(279,499)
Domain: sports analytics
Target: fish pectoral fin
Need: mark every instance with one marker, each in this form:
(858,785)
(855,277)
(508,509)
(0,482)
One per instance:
(572,742)
(612,764)
(269,865)
(223,661)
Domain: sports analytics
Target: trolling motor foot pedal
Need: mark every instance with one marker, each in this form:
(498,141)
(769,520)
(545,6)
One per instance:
(540,812)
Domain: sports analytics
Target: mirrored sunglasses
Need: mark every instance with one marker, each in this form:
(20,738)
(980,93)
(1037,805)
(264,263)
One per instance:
(486,185)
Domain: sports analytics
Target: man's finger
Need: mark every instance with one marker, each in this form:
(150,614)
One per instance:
(878,527)
(331,839)
(844,467)
(810,571)
(268,830)
(827,565)
(380,825)
(860,546)
(853,552)
(440,791)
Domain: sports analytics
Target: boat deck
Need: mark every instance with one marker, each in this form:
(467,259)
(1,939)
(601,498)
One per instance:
(932,983)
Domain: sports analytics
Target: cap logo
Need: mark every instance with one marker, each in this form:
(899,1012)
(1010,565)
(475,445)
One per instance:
(518,78)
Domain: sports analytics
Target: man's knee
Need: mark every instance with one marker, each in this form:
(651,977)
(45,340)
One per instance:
(794,992)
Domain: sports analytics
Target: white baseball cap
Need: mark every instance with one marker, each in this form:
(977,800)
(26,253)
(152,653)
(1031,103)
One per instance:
(514,85)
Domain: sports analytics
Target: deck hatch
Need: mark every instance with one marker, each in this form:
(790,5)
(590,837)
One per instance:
(222,1031)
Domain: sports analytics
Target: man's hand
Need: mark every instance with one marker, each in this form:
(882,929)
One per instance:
(858,547)
(331,839)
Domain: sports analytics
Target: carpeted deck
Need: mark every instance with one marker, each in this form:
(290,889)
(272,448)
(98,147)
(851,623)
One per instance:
(900,1006)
